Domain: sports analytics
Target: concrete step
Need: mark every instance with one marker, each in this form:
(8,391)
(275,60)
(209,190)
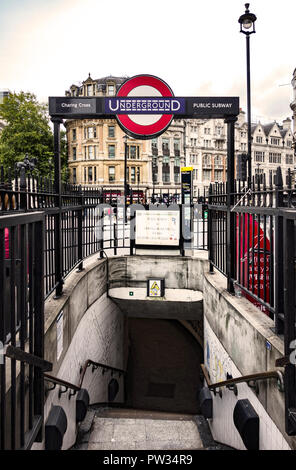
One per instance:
(129,429)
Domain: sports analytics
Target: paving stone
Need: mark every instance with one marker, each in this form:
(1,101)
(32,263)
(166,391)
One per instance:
(162,431)
(130,433)
(111,446)
(102,433)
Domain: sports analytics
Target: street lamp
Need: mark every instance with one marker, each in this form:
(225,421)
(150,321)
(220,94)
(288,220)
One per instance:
(247,26)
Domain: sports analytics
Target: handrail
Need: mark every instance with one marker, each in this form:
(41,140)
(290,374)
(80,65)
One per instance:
(76,388)
(271,374)
(63,383)
(20,355)
(89,362)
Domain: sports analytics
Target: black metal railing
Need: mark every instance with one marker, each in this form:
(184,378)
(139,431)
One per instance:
(72,221)
(21,330)
(246,240)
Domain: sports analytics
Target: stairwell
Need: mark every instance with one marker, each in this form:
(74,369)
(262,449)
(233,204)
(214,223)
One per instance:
(131,429)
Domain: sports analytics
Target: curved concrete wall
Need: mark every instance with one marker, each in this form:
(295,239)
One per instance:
(238,340)
(93,328)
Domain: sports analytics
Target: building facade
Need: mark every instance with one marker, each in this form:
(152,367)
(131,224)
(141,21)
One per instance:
(206,149)
(293,107)
(96,149)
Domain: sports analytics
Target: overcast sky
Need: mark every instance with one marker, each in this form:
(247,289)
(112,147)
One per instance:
(194,45)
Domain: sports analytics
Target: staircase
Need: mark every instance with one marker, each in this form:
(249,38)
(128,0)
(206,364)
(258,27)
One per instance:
(131,429)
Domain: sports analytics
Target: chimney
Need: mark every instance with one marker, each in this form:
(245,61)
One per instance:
(287,124)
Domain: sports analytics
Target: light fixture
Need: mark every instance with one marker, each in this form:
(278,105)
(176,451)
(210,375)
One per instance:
(247,21)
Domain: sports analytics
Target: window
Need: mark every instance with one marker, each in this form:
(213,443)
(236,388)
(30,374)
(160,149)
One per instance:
(111,131)
(111,171)
(111,90)
(177,147)
(111,151)
(275,157)
(275,141)
(90,174)
(138,174)
(206,160)
(259,156)
(91,132)
(74,153)
(91,153)
(74,175)
(207,130)
(218,160)
(207,143)
(219,145)
(243,146)
(195,174)
(133,174)
(133,151)
(289,159)
(206,175)
(154,147)
(259,139)
(218,175)
(89,90)
(74,134)
(165,147)
(289,143)
(166,169)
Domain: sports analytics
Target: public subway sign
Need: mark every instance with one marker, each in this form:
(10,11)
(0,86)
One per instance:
(144,107)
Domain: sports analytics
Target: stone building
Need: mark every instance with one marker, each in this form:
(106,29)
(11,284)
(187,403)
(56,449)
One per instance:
(96,147)
(293,107)
(206,149)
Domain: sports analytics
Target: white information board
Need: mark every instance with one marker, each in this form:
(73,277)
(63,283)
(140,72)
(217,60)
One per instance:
(157,228)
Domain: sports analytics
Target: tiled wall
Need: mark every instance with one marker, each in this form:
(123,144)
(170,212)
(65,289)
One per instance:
(218,363)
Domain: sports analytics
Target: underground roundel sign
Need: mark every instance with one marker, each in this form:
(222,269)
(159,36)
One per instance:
(144,106)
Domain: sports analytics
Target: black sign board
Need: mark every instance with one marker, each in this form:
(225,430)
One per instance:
(100,107)
(186,184)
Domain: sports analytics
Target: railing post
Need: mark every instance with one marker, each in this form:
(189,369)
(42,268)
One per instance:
(230,223)
(80,228)
(39,323)
(23,190)
(210,231)
(278,256)
(289,324)
(115,226)
(58,248)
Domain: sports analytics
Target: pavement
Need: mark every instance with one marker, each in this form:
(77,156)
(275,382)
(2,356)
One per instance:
(122,429)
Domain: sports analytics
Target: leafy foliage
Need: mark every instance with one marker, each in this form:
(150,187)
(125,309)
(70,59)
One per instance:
(27,131)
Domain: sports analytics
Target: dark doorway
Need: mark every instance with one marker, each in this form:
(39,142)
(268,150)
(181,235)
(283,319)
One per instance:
(163,366)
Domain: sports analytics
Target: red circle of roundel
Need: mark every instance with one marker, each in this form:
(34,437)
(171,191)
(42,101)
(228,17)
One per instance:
(151,129)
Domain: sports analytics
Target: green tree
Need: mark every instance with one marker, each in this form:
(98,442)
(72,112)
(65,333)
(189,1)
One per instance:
(27,131)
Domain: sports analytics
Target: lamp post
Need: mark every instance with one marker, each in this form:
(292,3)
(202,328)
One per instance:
(247,26)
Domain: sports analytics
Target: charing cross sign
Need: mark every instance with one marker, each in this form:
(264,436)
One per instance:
(144,107)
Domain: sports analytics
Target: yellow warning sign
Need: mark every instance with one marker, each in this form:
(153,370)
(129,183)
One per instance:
(154,288)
